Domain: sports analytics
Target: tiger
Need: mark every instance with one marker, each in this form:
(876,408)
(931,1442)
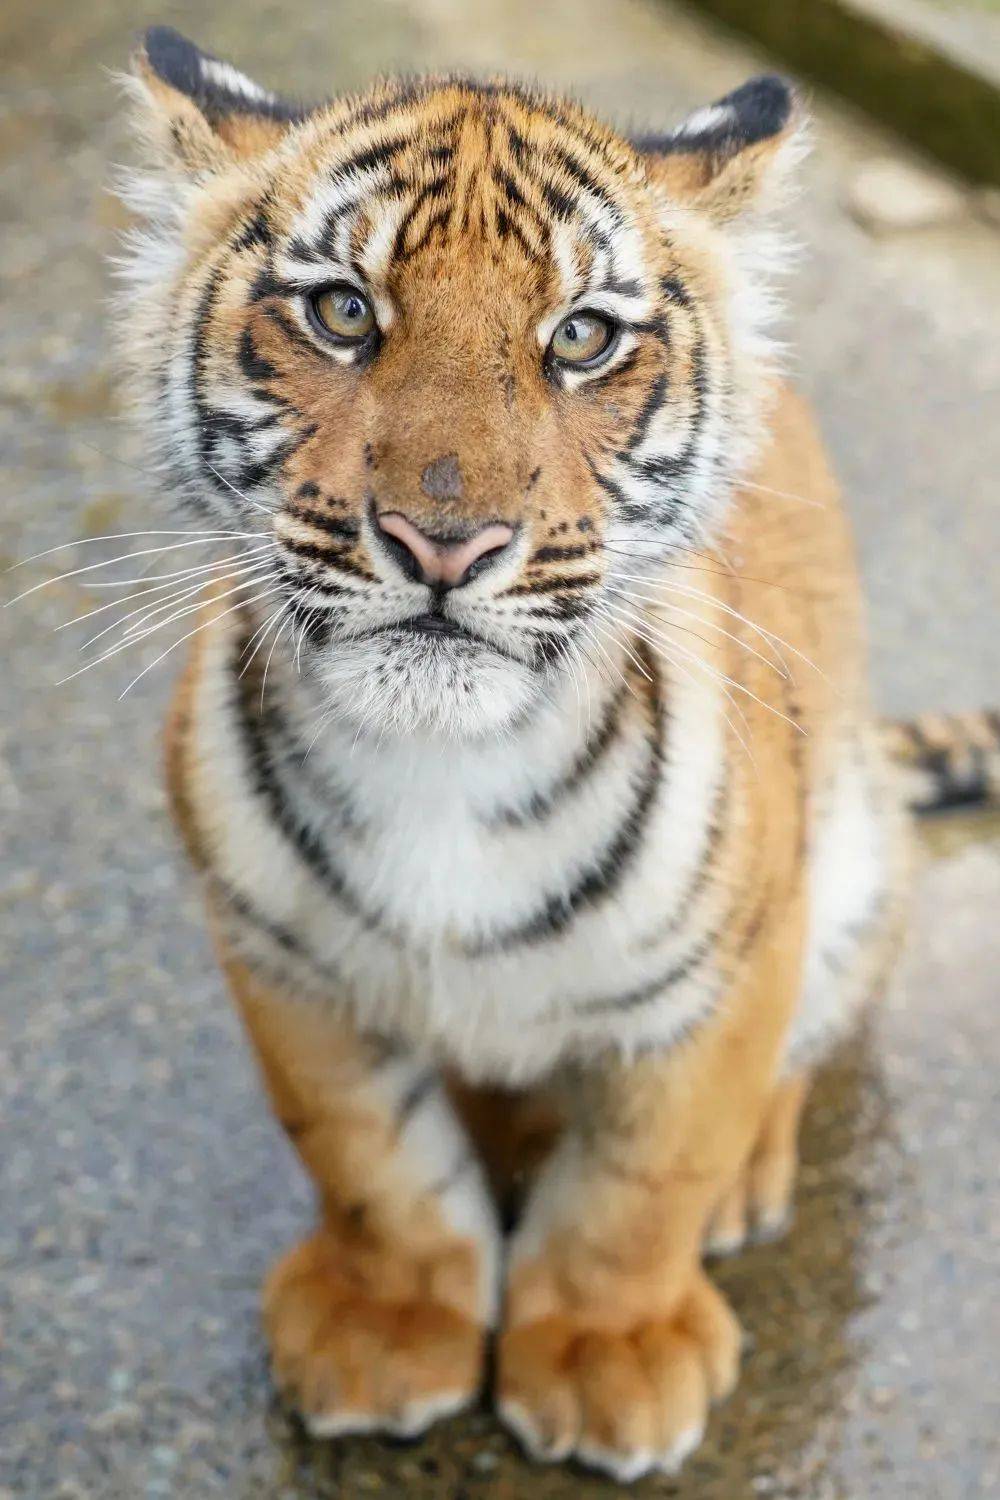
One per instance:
(523,748)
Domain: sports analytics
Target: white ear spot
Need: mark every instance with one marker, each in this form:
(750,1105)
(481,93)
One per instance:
(224,76)
(703,121)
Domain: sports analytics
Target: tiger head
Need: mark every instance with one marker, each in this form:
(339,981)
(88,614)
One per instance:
(465,358)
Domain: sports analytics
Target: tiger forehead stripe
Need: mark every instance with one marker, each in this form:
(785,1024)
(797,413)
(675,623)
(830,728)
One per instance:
(503,156)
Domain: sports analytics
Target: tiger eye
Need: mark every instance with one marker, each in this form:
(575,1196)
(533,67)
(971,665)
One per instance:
(582,338)
(344,313)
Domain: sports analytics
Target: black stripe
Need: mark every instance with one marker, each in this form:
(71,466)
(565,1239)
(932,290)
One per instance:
(654,988)
(280,935)
(199,355)
(438,187)
(253,723)
(542,804)
(675,291)
(561,554)
(296,336)
(559,202)
(256,233)
(292,753)
(548,585)
(667,467)
(335,558)
(623,367)
(252,362)
(580,174)
(343,530)
(755,925)
(609,866)
(418,1090)
(652,404)
(700,876)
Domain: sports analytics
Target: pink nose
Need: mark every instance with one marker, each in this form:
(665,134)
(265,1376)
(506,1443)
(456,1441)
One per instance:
(438,560)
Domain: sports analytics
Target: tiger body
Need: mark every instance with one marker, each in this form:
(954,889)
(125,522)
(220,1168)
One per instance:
(509,906)
(607,835)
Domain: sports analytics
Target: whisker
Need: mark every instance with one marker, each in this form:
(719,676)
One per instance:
(689,677)
(280,632)
(733,683)
(150,611)
(124,536)
(182,574)
(250,649)
(250,573)
(686,590)
(135,633)
(689,614)
(132,640)
(240,604)
(245,498)
(671,562)
(765,489)
(592,635)
(106,563)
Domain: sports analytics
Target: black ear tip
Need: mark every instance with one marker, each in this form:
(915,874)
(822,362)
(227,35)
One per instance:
(763,105)
(173,58)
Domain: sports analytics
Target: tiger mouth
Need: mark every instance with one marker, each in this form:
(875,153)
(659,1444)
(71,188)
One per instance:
(431,627)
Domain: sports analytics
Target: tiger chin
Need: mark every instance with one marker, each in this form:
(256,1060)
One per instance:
(524,747)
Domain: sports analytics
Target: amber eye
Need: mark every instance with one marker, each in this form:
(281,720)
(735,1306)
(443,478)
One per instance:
(344,313)
(582,338)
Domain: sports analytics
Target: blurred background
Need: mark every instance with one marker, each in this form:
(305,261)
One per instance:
(143,1188)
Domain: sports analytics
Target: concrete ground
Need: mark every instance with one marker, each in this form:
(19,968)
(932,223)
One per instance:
(143,1188)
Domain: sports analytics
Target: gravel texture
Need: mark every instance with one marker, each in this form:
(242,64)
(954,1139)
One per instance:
(143,1188)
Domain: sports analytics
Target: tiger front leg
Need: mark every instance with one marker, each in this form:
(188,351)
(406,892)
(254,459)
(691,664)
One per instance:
(615,1343)
(376,1321)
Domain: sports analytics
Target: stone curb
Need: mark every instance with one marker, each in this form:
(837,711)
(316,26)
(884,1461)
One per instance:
(881,55)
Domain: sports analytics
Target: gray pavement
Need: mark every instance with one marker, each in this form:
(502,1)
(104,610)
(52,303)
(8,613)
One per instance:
(143,1188)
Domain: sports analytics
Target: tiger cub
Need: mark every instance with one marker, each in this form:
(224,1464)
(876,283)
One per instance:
(524,748)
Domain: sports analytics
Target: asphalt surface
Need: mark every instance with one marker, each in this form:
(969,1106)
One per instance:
(143,1188)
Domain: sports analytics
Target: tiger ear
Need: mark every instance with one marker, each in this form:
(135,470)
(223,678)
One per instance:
(733,155)
(199,113)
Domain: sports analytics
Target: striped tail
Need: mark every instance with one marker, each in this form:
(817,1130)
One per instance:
(948,761)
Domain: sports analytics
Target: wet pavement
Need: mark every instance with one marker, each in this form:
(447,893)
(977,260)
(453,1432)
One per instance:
(143,1188)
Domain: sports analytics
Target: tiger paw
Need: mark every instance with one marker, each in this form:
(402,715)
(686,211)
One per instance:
(756,1210)
(357,1358)
(628,1403)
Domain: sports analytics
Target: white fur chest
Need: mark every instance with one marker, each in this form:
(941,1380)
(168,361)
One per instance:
(436,887)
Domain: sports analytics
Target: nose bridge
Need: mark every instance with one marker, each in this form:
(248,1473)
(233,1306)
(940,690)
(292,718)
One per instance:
(448,449)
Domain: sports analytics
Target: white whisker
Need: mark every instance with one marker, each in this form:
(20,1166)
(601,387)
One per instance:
(635,595)
(182,574)
(106,563)
(689,677)
(724,677)
(249,574)
(245,498)
(285,618)
(240,604)
(124,536)
(132,640)
(765,489)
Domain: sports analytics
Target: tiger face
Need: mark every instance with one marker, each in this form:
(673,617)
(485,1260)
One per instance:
(468,359)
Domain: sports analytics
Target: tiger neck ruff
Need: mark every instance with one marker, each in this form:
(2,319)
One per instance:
(523,746)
